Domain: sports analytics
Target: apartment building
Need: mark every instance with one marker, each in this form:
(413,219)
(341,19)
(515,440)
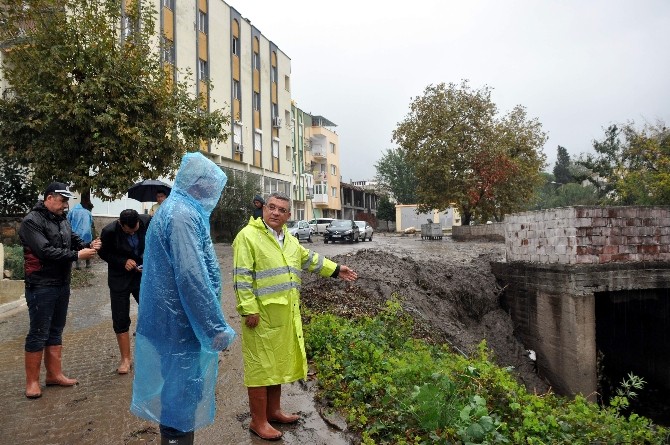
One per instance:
(323,155)
(251,77)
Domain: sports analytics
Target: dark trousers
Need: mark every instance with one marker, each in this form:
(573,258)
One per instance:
(121,308)
(47,309)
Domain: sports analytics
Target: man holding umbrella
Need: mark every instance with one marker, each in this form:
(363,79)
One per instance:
(150,190)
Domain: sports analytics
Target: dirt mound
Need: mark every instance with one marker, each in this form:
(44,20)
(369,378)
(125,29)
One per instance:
(453,300)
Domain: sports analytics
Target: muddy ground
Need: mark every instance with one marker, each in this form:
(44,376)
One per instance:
(448,287)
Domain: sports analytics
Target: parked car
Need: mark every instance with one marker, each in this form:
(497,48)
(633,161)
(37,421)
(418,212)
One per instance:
(366,230)
(300,229)
(319,225)
(341,230)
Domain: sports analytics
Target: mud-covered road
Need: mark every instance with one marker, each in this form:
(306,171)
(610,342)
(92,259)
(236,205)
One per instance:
(447,285)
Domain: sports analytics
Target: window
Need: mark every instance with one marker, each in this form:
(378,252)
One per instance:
(202,69)
(257,61)
(333,170)
(168,51)
(257,101)
(273,74)
(275,148)
(168,4)
(287,83)
(258,141)
(275,111)
(237,134)
(332,148)
(333,192)
(237,94)
(320,189)
(236,46)
(202,21)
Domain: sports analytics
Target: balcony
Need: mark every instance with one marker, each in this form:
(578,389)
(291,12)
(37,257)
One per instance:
(320,199)
(320,176)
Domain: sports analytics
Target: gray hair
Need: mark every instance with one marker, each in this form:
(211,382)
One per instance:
(281,196)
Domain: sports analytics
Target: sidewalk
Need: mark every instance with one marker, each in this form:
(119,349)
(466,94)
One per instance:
(97,410)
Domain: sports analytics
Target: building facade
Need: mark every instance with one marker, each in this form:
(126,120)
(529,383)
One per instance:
(323,155)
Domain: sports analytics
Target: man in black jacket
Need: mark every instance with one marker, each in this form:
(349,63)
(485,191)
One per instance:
(49,248)
(123,250)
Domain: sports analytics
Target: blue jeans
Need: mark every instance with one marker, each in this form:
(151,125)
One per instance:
(47,309)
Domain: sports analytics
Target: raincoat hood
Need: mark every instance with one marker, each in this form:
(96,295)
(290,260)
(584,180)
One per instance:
(259,199)
(201,180)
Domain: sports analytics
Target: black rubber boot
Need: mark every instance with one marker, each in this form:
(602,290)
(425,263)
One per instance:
(183,440)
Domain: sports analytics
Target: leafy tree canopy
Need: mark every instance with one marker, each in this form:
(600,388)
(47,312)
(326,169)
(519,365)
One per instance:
(631,166)
(385,209)
(562,167)
(18,193)
(396,176)
(464,154)
(236,203)
(90,101)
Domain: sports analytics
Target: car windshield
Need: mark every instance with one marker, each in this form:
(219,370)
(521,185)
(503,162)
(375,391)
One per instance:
(341,223)
(291,224)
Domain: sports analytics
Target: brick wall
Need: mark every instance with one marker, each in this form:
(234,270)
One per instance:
(488,232)
(589,235)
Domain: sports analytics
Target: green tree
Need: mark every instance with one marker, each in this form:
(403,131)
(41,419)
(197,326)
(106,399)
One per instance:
(464,154)
(91,101)
(385,209)
(562,168)
(18,193)
(396,176)
(603,168)
(631,166)
(235,205)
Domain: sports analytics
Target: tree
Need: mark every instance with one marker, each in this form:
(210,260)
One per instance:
(91,101)
(464,154)
(385,209)
(235,205)
(18,193)
(631,166)
(562,167)
(396,176)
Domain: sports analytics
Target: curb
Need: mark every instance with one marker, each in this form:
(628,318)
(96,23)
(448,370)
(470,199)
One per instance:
(11,308)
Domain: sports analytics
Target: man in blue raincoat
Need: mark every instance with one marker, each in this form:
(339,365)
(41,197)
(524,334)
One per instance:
(81,220)
(180,324)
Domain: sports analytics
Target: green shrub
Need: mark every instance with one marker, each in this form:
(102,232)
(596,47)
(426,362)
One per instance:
(14,261)
(395,389)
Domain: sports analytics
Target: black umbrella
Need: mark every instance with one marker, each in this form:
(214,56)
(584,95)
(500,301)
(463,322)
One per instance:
(146,190)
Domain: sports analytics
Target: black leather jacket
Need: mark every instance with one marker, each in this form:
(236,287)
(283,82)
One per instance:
(49,247)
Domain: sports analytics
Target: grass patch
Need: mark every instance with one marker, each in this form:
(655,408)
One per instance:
(81,278)
(394,389)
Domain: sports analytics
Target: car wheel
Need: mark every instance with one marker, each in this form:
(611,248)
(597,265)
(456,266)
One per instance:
(357,238)
(370,239)
(325,241)
(309,238)
(363,239)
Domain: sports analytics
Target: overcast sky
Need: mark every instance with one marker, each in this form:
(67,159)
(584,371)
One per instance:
(576,65)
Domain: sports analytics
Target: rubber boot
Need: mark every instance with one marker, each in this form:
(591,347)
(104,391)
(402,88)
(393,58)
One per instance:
(258,404)
(33,364)
(124,348)
(184,440)
(274,412)
(53,363)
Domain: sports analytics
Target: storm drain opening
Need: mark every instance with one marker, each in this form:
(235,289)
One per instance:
(632,337)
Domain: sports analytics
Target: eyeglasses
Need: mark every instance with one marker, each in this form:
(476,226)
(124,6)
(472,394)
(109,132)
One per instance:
(273,207)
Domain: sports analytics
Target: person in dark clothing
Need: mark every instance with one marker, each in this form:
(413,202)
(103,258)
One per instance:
(258,207)
(123,250)
(49,248)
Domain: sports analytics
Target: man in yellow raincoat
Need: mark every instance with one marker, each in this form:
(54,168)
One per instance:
(268,262)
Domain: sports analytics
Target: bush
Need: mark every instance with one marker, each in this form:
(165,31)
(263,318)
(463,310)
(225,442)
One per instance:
(392,388)
(14,261)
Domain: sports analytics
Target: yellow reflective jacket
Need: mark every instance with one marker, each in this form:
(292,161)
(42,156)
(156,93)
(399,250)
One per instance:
(267,282)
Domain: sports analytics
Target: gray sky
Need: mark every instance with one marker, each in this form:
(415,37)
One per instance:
(576,65)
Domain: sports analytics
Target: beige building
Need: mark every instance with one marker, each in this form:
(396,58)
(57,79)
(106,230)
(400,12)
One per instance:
(252,83)
(323,155)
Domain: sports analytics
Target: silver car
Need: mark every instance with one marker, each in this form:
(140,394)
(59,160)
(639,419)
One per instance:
(366,230)
(300,229)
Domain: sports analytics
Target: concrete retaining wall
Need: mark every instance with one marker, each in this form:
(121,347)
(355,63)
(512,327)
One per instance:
(589,235)
(487,232)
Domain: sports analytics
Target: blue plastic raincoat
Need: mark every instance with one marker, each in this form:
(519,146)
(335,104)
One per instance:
(180,324)
(81,221)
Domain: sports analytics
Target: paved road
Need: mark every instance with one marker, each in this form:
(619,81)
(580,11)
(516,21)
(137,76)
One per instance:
(96,411)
